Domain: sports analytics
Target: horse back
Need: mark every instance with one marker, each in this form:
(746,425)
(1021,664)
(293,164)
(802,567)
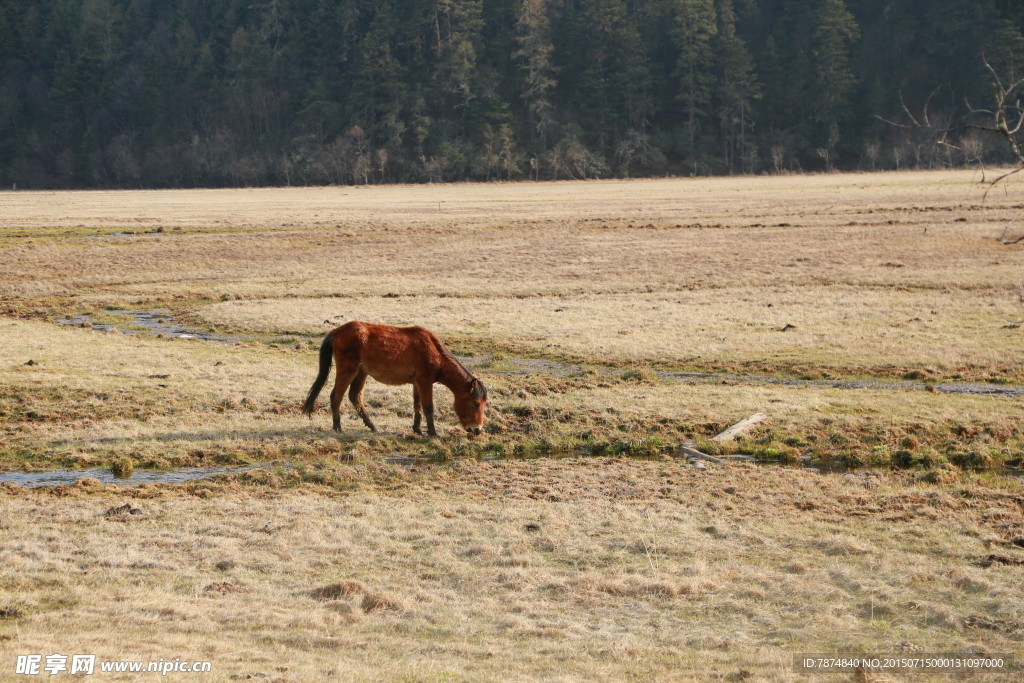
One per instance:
(389,354)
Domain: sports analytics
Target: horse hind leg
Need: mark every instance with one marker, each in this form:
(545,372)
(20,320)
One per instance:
(355,394)
(336,408)
(345,375)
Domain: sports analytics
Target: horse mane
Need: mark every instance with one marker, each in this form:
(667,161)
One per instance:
(479,390)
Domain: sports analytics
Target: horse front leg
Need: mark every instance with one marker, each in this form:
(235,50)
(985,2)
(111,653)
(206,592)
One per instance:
(426,392)
(416,411)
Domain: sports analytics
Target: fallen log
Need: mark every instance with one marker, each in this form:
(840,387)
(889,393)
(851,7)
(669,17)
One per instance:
(691,453)
(740,428)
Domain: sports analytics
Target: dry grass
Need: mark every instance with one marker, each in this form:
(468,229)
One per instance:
(878,273)
(839,329)
(597,569)
(328,560)
(94,398)
(522,239)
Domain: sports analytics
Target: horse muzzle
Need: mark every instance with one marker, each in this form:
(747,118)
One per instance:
(473,430)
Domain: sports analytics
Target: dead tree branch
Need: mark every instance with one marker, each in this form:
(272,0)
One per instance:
(1007,121)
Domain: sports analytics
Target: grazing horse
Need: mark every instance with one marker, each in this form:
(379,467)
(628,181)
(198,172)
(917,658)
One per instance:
(396,355)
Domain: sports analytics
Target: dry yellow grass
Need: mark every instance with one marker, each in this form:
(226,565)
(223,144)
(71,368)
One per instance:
(467,205)
(858,263)
(549,238)
(329,560)
(94,397)
(599,569)
(838,329)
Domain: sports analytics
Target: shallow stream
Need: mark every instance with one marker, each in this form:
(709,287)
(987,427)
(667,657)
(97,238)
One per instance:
(155,321)
(160,321)
(68,477)
(105,476)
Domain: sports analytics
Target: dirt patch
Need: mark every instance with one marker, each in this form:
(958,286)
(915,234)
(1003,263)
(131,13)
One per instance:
(223,587)
(339,590)
(1001,560)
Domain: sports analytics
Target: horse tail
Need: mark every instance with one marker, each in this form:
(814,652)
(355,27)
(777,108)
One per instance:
(326,353)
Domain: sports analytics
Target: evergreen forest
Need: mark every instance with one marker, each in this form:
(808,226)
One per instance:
(208,93)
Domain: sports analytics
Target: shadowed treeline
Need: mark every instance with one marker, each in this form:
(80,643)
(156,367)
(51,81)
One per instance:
(184,93)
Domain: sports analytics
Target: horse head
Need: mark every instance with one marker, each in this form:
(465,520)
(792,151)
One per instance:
(470,406)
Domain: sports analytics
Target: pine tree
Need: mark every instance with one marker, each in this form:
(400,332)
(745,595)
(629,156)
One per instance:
(771,74)
(379,87)
(457,26)
(1005,51)
(535,50)
(603,72)
(737,86)
(693,30)
(834,30)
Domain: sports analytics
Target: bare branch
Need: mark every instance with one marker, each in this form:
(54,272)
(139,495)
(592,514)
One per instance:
(907,111)
(927,126)
(893,123)
(966,126)
(1019,122)
(927,101)
(994,182)
(992,71)
(1020,294)
(1014,86)
(974,126)
(972,110)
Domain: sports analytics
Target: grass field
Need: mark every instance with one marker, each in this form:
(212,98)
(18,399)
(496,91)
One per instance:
(843,306)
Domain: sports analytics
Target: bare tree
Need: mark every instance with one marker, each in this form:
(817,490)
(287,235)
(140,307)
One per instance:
(778,153)
(381,158)
(871,151)
(972,146)
(636,146)
(1005,120)
(899,153)
(1006,98)
(121,155)
(571,157)
(435,167)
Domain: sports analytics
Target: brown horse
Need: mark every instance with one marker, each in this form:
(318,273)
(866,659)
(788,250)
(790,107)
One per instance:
(396,355)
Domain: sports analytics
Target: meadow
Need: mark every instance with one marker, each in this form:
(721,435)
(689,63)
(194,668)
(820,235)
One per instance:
(875,318)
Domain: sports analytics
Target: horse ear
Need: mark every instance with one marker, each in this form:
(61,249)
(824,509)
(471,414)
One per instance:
(472,384)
